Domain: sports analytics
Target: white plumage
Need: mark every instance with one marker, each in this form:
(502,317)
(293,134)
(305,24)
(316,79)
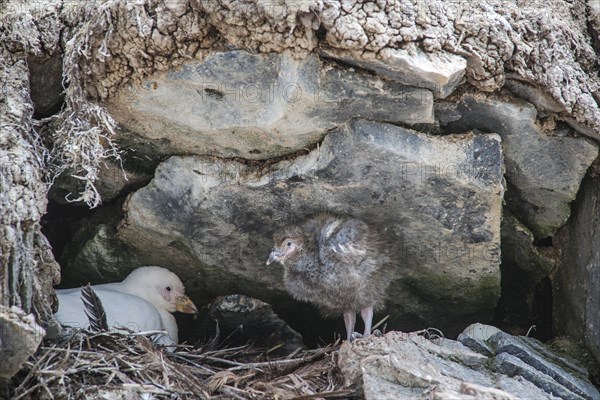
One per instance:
(143,301)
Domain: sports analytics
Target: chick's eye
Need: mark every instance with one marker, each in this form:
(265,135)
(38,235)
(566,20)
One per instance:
(168,288)
(289,244)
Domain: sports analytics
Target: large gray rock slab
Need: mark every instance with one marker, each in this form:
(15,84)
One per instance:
(513,366)
(439,72)
(543,171)
(211,221)
(576,283)
(406,365)
(258,106)
(531,360)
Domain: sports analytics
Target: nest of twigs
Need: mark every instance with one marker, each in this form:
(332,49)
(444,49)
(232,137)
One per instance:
(113,365)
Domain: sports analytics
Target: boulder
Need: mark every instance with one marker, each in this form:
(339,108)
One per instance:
(576,282)
(439,72)
(240,319)
(211,221)
(475,336)
(543,171)
(259,106)
(530,359)
(408,365)
(20,337)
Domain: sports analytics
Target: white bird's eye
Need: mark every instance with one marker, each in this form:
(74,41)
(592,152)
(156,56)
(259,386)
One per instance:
(168,288)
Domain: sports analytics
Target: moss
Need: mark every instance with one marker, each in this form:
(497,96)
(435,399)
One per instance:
(577,350)
(466,301)
(181,247)
(446,288)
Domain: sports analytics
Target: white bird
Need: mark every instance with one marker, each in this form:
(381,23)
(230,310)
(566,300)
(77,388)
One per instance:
(143,301)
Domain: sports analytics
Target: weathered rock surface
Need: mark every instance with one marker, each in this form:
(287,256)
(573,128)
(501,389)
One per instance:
(544,43)
(28,270)
(533,94)
(407,365)
(576,282)
(241,319)
(210,221)
(20,337)
(439,72)
(475,335)
(531,360)
(543,172)
(258,106)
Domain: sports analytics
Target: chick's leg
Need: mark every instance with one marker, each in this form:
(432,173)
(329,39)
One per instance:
(367,316)
(349,321)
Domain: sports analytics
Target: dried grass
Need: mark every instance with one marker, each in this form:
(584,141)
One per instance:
(119,365)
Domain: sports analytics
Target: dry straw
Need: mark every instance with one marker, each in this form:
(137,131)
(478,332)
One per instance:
(119,365)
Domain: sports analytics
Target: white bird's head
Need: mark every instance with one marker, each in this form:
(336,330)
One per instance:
(161,288)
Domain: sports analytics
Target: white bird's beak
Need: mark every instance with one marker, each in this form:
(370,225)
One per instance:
(185,305)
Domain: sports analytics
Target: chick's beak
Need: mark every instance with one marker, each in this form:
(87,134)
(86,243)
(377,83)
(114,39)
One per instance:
(184,304)
(275,254)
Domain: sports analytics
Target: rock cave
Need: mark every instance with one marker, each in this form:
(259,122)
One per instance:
(184,133)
